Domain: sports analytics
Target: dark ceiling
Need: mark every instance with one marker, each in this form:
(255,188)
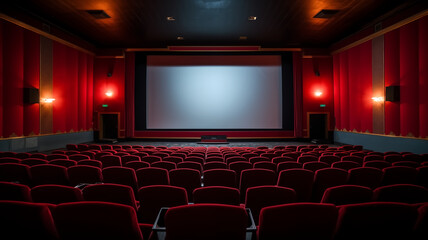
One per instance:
(279,23)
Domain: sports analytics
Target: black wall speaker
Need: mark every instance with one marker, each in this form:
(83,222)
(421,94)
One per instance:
(392,94)
(31,95)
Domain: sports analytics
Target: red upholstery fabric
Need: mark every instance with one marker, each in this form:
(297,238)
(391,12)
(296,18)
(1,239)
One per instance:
(21,220)
(15,192)
(217,194)
(379,220)
(206,221)
(152,198)
(110,192)
(220,177)
(404,193)
(96,220)
(347,194)
(82,174)
(297,221)
(301,180)
(56,194)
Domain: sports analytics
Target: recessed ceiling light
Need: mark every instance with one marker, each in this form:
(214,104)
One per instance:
(170,18)
(326,13)
(180,38)
(243,37)
(98,14)
(252,18)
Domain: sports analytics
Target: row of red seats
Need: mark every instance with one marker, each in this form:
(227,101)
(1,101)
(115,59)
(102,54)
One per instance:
(255,198)
(100,220)
(309,185)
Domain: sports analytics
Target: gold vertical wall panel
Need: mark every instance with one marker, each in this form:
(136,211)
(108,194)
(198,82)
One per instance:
(46,85)
(378,84)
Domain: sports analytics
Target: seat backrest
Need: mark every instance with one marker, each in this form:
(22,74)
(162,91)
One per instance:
(345,165)
(191,165)
(151,159)
(404,193)
(421,226)
(187,178)
(136,165)
(216,194)
(347,194)
(153,198)
(63,162)
(325,178)
(297,221)
(89,162)
(220,177)
(379,164)
(399,174)
(307,158)
(96,220)
(206,221)
(422,178)
(15,172)
(265,165)
(22,220)
(110,192)
(49,174)
(10,160)
(376,220)
(152,176)
(15,192)
(365,176)
(56,194)
(165,165)
(82,174)
(110,161)
(299,179)
(288,165)
(78,157)
(264,196)
(214,165)
(313,166)
(255,177)
(121,175)
(329,159)
(129,158)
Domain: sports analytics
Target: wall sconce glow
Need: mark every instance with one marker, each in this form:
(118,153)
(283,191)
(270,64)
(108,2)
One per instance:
(378,99)
(318,93)
(109,93)
(48,100)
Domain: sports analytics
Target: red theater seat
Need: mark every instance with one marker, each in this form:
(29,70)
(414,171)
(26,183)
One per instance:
(325,178)
(96,220)
(56,194)
(347,194)
(15,192)
(110,192)
(263,196)
(187,178)
(301,180)
(220,177)
(82,174)
(15,172)
(121,175)
(49,174)
(137,165)
(206,221)
(78,157)
(152,176)
(94,163)
(313,166)
(164,165)
(110,161)
(255,177)
(405,193)
(297,221)
(22,220)
(63,162)
(365,176)
(399,174)
(216,194)
(376,220)
(153,198)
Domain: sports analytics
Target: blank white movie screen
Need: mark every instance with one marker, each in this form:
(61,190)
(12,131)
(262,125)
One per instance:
(214,92)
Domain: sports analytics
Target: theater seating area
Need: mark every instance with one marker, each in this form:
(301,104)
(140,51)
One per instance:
(293,192)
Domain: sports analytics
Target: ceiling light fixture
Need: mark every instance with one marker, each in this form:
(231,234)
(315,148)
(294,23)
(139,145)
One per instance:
(98,14)
(170,18)
(326,13)
(180,38)
(243,38)
(252,18)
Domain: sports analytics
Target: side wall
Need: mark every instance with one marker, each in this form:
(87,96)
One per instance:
(29,60)
(397,58)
